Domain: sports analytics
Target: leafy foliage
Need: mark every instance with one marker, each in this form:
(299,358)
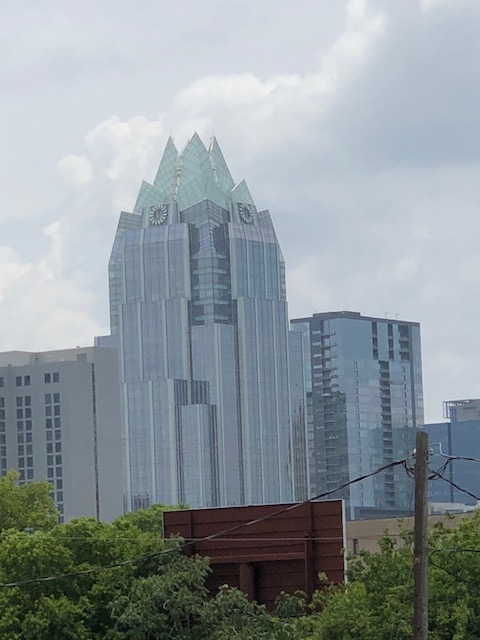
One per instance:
(123,581)
(377,602)
(27,506)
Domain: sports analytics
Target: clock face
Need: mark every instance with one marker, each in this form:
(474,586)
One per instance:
(158,214)
(246,213)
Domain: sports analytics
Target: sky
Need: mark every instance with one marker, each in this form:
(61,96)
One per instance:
(355,122)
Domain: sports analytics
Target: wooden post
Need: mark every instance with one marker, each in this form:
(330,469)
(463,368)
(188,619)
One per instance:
(420,553)
(247,580)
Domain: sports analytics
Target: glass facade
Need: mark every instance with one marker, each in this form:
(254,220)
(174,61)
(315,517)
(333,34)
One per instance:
(198,310)
(364,403)
(460,436)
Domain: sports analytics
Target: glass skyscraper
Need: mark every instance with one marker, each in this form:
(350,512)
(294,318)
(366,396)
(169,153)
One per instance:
(364,404)
(459,437)
(199,314)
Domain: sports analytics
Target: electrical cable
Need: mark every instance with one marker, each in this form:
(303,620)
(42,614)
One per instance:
(212,536)
(445,455)
(456,486)
(451,573)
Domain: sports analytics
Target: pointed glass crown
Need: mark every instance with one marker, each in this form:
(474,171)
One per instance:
(195,174)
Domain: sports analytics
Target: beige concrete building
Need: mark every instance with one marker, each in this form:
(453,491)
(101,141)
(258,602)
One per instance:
(60,421)
(365,534)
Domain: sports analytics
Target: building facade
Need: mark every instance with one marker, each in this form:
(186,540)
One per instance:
(198,310)
(364,404)
(60,421)
(458,436)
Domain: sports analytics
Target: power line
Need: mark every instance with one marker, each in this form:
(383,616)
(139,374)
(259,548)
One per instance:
(445,455)
(212,536)
(456,486)
(72,574)
(452,573)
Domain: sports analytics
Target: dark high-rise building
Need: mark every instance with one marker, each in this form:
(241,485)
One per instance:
(198,310)
(364,403)
(457,437)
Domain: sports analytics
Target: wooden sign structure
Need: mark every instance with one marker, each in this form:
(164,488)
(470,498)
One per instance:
(284,552)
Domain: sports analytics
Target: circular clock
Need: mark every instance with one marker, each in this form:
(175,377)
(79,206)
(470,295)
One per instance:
(246,213)
(158,214)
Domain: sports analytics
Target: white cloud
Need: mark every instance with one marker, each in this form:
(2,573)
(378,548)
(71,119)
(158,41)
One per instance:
(366,157)
(42,307)
(428,5)
(75,169)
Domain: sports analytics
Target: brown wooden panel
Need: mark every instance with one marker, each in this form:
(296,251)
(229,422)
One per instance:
(284,553)
(264,556)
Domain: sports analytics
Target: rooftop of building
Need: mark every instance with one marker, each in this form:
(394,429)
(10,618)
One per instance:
(353,315)
(192,175)
(23,358)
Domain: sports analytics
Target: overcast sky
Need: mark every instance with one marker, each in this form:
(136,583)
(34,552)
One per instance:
(356,123)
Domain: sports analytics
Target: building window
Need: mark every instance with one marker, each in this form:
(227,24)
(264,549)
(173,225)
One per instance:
(2,381)
(28,401)
(18,381)
(26,381)
(48,398)
(29,474)
(56,377)
(47,378)
(356,545)
(56,398)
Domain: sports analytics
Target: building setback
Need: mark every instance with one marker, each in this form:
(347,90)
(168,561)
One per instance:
(60,421)
(364,403)
(198,309)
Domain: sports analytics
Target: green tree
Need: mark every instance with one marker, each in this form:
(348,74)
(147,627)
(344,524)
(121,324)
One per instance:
(26,506)
(377,602)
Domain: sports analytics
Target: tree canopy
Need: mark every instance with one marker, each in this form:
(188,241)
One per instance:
(123,580)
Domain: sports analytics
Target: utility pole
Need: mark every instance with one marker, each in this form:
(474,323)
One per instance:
(420,552)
